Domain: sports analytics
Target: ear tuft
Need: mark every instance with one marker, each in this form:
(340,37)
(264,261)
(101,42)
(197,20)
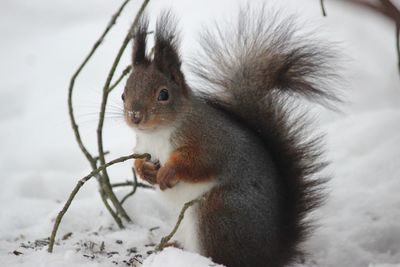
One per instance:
(139,42)
(166,54)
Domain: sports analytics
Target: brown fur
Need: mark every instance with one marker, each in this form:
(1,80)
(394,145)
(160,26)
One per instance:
(146,170)
(184,164)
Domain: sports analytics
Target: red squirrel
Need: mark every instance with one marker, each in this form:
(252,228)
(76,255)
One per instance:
(240,142)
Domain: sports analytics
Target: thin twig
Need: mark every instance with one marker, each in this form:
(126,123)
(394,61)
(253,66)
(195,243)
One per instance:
(96,159)
(323,8)
(135,185)
(398,43)
(123,74)
(74,124)
(92,160)
(105,181)
(78,186)
(384,7)
(164,241)
(389,10)
(129,183)
(110,210)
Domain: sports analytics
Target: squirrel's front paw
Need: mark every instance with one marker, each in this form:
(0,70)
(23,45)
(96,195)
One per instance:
(147,170)
(166,177)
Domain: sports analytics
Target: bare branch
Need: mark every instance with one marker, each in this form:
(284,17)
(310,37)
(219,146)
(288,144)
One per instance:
(123,74)
(75,126)
(398,43)
(92,160)
(129,183)
(323,8)
(164,241)
(117,219)
(78,186)
(104,179)
(135,185)
(96,159)
(389,10)
(135,182)
(384,7)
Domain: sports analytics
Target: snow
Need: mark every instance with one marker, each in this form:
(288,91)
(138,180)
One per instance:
(43,42)
(173,257)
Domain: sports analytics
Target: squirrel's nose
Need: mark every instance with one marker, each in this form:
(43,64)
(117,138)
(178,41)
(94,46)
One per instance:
(137,117)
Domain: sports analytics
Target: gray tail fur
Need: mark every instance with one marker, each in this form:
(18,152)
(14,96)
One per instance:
(253,72)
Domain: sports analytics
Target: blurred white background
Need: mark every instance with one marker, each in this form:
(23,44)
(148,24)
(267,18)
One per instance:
(43,42)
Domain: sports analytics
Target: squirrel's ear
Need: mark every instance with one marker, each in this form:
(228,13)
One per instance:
(139,42)
(166,54)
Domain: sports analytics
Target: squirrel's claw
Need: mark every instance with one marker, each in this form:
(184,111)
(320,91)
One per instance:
(147,170)
(166,177)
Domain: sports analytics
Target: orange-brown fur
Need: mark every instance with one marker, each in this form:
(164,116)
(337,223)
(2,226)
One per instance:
(147,170)
(184,164)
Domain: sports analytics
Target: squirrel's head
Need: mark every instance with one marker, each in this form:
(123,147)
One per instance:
(156,93)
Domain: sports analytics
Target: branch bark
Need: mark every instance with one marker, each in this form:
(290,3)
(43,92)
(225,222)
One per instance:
(398,44)
(323,7)
(113,214)
(74,124)
(128,183)
(135,186)
(389,10)
(78,186)
(104,178)
(123,74)
(92,160)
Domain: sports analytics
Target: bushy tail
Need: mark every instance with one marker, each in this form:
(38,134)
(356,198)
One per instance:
(253,73)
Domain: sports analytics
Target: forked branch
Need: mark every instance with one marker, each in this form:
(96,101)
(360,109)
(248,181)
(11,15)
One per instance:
(78,186)
(74,124)
(105,192)
(104,179)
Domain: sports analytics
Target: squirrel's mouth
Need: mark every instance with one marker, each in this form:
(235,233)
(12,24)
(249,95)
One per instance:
(141,123)
(135,117)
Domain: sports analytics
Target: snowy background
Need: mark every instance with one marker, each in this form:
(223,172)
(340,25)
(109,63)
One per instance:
(42,43)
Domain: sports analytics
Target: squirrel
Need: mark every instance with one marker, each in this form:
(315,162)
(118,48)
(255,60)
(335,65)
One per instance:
(240,141)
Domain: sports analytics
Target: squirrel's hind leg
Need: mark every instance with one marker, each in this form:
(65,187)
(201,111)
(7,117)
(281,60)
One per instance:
(235,230)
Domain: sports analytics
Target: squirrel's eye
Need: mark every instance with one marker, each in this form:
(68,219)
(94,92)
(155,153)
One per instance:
(163,95)
(123,97)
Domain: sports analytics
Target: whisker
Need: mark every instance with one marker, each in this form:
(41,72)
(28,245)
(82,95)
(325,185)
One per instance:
(171,112)
(97,106)
(97,113)
(95,118)
(88,124)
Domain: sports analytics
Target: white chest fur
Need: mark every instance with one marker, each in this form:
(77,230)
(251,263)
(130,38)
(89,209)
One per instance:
(188,232)
(157,143)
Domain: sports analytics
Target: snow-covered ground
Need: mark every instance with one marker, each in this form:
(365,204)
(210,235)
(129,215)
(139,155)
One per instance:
(42,43)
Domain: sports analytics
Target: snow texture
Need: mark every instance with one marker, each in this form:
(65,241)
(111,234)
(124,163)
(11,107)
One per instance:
(42,43)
